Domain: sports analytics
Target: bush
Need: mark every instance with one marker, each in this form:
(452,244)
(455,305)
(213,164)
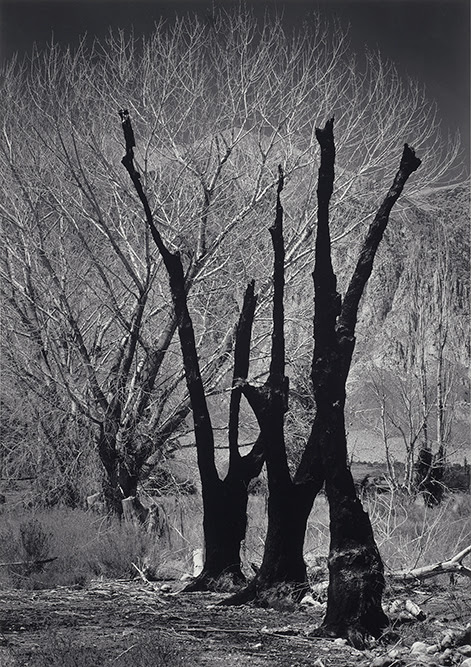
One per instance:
(83,546)
(411,534)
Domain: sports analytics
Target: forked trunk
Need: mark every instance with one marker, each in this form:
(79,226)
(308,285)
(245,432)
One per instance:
(283,570)
(356,578)
(224,501)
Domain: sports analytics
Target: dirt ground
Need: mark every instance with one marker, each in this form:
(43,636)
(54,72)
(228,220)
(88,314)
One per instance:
(117,615)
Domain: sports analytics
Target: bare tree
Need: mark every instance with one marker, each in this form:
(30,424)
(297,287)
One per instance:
(217,105)
(224,501)
(419,387)
(356,572)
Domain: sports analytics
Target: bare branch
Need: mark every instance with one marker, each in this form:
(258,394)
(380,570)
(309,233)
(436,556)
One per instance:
(452,566)
(347,321)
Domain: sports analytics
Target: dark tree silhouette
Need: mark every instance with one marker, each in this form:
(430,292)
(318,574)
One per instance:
(224,501)
(289,505)
(356,572)
(356,580)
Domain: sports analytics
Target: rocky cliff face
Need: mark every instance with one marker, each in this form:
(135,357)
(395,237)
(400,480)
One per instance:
(420,282)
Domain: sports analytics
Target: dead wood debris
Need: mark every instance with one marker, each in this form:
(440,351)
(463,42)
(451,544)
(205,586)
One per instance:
(452,566)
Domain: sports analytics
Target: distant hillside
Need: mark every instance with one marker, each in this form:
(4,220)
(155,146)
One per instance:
(397,323)
(399,336)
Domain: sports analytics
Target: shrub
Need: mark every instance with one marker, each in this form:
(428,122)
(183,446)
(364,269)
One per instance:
(83,546)
(35,540)
(410,534)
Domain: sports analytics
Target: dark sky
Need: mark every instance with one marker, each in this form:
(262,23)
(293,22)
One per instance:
(427,39)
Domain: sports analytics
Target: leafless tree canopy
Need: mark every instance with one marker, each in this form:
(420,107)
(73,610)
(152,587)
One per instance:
(89,332)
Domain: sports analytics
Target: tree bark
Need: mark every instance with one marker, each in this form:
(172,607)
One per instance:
(224,501)
(356,578)
(283,568)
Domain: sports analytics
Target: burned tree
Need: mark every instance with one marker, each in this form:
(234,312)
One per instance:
(224,501)
(356,572)
(356,580)
(289,505)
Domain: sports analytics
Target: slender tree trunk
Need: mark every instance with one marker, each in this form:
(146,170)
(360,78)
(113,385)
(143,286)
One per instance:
(224,501)
(356,579)
(283,568)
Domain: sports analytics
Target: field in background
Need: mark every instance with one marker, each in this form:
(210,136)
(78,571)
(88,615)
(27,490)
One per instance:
(85,545)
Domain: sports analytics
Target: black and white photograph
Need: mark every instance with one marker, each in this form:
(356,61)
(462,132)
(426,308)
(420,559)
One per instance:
(235,414)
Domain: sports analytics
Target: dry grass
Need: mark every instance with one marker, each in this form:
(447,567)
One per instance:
(83,545)
(62,650)
(408,535)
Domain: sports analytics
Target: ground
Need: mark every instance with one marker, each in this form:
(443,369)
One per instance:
(114,618)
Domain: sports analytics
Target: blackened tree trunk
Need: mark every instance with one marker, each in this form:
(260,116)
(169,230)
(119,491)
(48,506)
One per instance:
(224,501)
(281,560)
(283,568)
(356,580)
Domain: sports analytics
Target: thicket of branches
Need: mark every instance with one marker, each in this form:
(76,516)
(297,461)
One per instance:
(91,368)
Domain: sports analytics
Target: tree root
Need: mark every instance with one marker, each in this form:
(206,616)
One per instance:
(268,595)
(225,582)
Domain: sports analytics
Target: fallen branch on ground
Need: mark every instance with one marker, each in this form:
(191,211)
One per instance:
(151,584)
(452,566)
(30,562)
